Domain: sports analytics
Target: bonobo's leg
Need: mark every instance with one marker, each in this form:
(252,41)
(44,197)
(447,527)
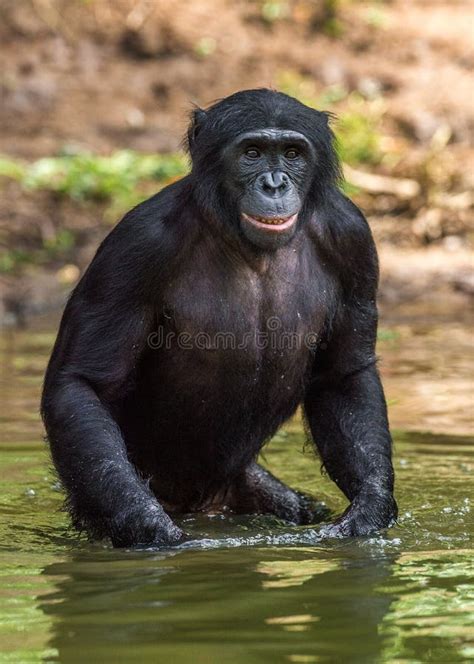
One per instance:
(257,491)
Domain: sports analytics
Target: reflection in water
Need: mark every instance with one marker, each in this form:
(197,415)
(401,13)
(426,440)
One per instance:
(207,605)
(434,610)
(249,589)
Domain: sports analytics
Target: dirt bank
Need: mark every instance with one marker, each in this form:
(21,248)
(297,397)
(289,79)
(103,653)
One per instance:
(102,76)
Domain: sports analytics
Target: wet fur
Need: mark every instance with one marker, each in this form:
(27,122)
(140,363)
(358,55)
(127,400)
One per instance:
(131,425)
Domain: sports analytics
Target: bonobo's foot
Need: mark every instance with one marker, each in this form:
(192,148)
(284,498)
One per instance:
(369,512)
(260,492)
(149,526)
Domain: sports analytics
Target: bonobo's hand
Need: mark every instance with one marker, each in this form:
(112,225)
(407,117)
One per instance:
(145,526)
(311,510)
(372,510)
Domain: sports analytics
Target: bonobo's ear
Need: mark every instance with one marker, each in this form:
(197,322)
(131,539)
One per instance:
(326,117)
(326,145)
(323,127)
(198,118)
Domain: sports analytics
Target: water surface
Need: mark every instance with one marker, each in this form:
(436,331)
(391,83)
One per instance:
(253,589)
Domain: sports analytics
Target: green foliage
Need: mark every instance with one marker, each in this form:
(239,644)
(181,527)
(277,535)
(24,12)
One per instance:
(333,26)
(60,243)
(387,335)
(357,138)
(274,10)
(56,247)
(205,47)
(120,178)
(356,126)
(294,84)
(331,95)
(13,258)
(376,18)
(87,176)
(10,168)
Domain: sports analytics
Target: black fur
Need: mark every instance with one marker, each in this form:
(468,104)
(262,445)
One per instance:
(140,429)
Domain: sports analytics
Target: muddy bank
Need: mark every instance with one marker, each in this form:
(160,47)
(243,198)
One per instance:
(104,76)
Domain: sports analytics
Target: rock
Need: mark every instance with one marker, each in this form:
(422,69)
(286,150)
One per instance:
(453,242)
(68,274)
(30,95)
(425,125)
(369,87)
(333,72)
(465,283)
(151,40)
(428,225)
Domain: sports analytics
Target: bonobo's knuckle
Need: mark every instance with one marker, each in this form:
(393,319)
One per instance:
(291,510)
(368,514)
(311,511)
(147,526)
(381,509)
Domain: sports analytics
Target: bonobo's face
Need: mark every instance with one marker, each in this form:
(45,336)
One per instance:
(269,173)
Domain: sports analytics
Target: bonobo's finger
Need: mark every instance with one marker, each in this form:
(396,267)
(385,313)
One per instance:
(160,539)
(148,526)
(312,511)
(163,543)
(371,511)
(345,528)
(354,523)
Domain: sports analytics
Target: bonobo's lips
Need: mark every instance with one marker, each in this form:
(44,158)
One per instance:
(271,224)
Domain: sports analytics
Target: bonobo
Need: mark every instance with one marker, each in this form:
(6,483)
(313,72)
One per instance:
(208,315)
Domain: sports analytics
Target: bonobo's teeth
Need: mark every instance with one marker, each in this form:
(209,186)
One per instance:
(272,220)
(282,222)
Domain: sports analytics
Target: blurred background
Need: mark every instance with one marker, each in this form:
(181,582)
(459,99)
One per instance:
(94,102)
(95,98)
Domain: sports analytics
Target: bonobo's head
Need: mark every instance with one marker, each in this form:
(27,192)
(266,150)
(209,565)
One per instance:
(262,163)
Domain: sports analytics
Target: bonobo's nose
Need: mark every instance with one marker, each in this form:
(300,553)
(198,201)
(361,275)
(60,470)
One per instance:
(273,182)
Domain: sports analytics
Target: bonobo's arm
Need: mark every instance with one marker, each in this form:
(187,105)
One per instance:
(102,334)
(345,404)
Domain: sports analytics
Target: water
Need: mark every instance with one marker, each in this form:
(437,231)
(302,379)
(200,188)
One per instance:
(253,589)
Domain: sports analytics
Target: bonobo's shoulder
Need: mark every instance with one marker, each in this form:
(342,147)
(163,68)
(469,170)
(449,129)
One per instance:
(338,223)
(141,246)
(149,230)
(343,236)
(345,215)
(153,217)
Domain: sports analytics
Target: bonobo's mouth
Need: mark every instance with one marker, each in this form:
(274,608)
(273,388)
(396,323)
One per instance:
(271,224)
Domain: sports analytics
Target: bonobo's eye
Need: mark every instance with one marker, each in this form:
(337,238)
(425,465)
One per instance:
(252,153)
(291,153)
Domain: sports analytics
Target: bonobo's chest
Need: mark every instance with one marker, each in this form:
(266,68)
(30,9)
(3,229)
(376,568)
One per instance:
(222,313)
